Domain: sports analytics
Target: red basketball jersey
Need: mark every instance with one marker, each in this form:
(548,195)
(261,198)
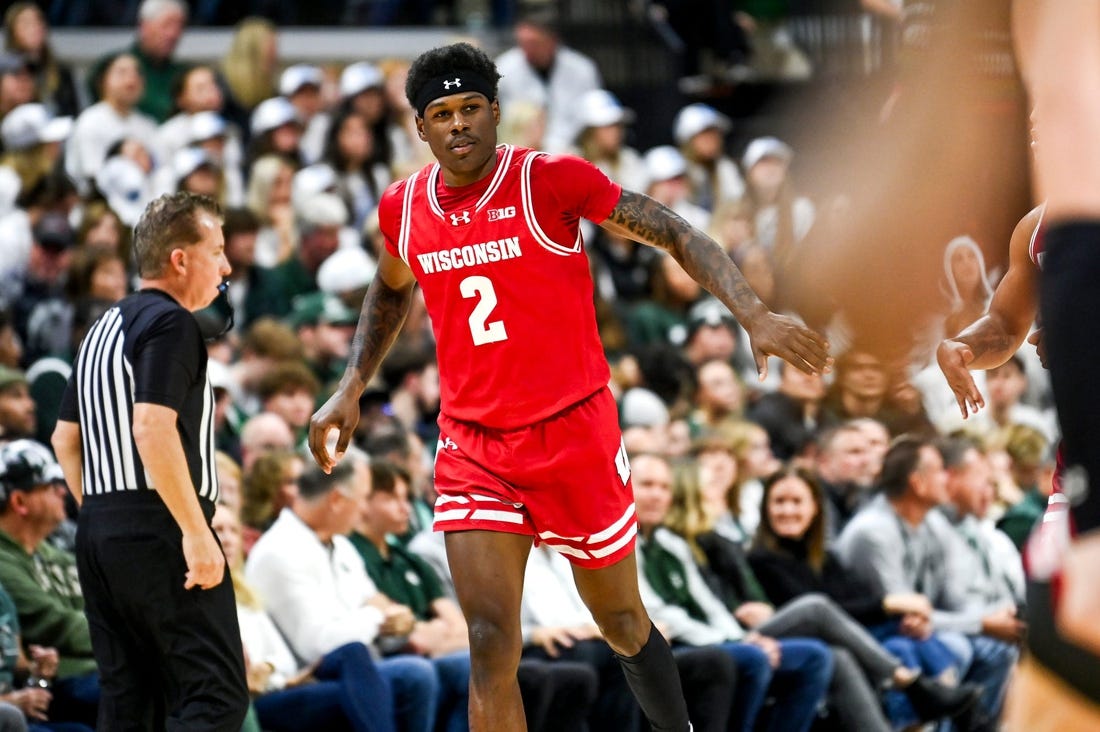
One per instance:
(507,282)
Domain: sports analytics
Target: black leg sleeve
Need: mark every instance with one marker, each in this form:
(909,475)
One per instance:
(653,678)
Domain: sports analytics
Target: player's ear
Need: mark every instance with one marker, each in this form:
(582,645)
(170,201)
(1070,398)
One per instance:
(420,129)
(496,110)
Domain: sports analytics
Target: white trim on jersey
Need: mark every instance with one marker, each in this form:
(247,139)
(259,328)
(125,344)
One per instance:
(499,174)
(529,214)
(406,219)
(431,183)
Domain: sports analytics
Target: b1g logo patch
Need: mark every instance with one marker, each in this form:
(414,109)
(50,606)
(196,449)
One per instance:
(497,214)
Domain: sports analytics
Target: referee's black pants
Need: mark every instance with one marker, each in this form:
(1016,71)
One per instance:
(169,658)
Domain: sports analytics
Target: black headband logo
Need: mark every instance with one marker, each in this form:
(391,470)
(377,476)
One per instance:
(466,81)
(456,82)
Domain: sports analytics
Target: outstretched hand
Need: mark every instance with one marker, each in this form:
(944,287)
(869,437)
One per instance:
(340,412)
(954,359)
(772,334)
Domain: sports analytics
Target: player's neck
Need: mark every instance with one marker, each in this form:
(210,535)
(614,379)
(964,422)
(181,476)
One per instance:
(460,178)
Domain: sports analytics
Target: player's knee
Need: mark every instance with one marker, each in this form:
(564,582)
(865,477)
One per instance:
(626,630)
(495,645)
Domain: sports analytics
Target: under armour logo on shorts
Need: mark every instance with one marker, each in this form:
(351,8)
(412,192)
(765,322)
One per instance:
(463,218)
(456,82)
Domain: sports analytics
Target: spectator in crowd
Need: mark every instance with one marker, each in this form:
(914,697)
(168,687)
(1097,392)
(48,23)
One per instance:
(676,595)
(361,173)
(32,139)
(1028,450)
(732,226)
(101,229)
(713,333)
(240,227)
(269,199)
(265,344)
(270,485)
(195,89)
(791,414)
(782,218)
(602,139)
(667,182)
(543,70)
(700,133)
(714,473)
(406,450)
(793,563)
(914,482)
(26,34)
(302,85)
(318,222)
(247,71)
(276,128)
(412,377)
(340,689)
(290,391)
(861,389)
(523,124)
(969,289)
(261,434)
(320,596)
(16,82)
(160,26)
(324,325)
(43,317)
(120,85)
(1005,388)
(755,461)
(843,455)
(41,579)
(123,183)
(719,397)
(662,318)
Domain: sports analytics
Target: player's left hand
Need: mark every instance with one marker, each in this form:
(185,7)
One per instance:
(772,334)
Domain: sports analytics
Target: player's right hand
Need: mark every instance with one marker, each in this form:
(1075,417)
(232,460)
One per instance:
(954,359)
(205,560)
(340,412)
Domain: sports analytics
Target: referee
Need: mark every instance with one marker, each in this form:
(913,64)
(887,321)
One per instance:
(135,439)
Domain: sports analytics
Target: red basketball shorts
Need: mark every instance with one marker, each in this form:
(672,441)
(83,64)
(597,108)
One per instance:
(564,481)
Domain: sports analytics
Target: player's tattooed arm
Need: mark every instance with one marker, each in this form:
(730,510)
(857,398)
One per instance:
(380,320)
(639,217)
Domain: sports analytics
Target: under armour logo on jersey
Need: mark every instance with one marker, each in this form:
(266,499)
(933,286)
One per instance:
(445,443)
(456,82)
(459,219)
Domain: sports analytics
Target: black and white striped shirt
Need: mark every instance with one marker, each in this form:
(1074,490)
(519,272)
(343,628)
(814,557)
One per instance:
(146,348)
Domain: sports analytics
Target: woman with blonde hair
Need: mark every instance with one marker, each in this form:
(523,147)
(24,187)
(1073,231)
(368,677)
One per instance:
(249,65)
(268,197)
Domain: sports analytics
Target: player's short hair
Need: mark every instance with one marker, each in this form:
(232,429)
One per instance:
(446,60)
(168,223)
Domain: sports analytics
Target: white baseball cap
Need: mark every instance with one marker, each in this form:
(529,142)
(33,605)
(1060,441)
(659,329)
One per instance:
(766,147)
(189,159)
(322,209)
(358,77)
(346,269)
(272,113)
(122,183)
(694,118)
(599,108)
(664,162)
(206,125)
(311,180)
(30,124)
(299,75)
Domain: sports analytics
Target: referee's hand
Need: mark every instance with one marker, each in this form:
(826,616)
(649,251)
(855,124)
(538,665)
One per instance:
(205,560)
(340,412)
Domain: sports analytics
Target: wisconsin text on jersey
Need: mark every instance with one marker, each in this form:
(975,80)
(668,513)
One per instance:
(470,255)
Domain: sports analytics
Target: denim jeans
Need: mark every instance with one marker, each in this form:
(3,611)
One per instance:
(415,687)
(987,662)
(349,694)
(453,705)
(799,684)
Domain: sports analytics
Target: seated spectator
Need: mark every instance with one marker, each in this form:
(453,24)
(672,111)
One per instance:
(276,130)
(667,183)
(714,472)
(301,85)
(860,389)
(268,198)
(406,451)
(340,689)
(602,137)
(324,326)
(781,218)
(321,598)
(1027,448)
(41,579)
(229,482)
(290,391)
(676,596)
(32,140)
(719,397)
(43,317)
(700,133)
(17,409)
(412,377)
(662,318)
(263,434)
(362,175)
(269,486)
(791,414)
(247,72)
(27,34)
(841,467)
(913,482)
(264,345)
(120,86)
(791,561)
(1005,388)
(32,701)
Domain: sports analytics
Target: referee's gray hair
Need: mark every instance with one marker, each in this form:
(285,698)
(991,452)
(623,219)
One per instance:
(168,223)
(153,9)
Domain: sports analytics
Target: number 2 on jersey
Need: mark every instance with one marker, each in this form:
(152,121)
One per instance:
(482,331)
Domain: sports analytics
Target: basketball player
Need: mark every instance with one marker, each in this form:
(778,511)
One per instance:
(530,447)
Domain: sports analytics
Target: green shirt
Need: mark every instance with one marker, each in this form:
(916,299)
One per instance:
(157,100)
(9,641)
(668,578)
(46,591)
(1019,519)
(404,577)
